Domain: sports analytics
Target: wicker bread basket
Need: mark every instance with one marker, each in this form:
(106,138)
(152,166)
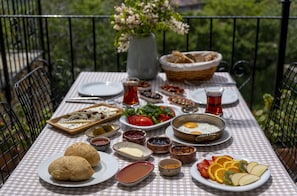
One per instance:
(201,69)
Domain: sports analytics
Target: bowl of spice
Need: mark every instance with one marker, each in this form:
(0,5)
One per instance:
(169,167)
(159,144)
(186,154)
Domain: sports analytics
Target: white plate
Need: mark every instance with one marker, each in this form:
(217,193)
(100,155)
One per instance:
(106,169)
(176,109)
(100,89)
(196,175)
(199,96)
(146,152)
(225,137)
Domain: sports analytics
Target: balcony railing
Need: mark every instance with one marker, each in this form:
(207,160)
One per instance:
(72,43)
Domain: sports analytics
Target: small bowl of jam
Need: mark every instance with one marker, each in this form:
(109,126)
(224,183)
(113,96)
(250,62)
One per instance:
(159,144)
(100,143)
(137,136)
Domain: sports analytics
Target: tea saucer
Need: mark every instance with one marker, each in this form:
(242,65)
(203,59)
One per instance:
(229,96)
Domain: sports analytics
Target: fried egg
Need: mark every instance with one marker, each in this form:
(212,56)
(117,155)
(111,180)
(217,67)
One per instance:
(198,128)
(190,125)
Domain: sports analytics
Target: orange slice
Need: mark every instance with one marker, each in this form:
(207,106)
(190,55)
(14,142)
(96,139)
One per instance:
(233,169)
(228,164)
(212,169)
(219,175)
(235,163)
(222,159)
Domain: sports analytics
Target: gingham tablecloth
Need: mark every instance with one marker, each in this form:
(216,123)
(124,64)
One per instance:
(247,140)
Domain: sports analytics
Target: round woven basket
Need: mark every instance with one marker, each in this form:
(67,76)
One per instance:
(199,71)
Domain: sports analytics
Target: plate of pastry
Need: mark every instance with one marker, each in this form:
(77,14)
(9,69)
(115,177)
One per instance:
(106,168)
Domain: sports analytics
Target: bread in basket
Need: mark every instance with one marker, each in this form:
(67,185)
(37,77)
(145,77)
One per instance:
(194,65)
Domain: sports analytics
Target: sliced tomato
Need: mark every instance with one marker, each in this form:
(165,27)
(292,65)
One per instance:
(163,117)
(140,120)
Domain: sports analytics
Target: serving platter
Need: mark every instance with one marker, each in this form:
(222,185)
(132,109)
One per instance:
(107,168)
(196,175)
(75,127)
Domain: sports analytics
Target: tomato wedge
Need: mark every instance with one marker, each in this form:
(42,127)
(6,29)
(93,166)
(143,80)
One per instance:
(140,120)
(164,117)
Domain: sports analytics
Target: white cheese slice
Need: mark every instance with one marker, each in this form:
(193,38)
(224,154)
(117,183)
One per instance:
(132,151)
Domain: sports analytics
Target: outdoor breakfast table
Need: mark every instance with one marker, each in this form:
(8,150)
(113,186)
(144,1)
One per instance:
(245,139)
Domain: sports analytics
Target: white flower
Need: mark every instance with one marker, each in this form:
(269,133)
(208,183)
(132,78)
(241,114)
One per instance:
(136,17)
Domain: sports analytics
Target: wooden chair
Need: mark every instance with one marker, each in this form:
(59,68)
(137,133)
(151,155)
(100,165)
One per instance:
(14,141)
(281,127)
(37,99)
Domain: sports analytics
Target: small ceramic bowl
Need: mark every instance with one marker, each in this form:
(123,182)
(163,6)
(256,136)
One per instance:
(159,144)
(137,136)
(169,167)
(100,143)
(186,154)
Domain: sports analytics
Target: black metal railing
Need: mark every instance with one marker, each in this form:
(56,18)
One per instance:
(77,42)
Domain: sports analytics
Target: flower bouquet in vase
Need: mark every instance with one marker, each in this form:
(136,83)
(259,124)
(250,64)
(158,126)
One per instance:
(135,22)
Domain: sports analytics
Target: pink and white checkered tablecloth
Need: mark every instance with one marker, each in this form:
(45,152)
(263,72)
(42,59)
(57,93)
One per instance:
(247,140)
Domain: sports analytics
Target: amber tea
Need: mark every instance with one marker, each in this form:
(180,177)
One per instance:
(214,100)
(130,91)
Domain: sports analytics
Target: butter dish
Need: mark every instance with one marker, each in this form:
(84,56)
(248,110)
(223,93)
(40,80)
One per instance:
(132,150)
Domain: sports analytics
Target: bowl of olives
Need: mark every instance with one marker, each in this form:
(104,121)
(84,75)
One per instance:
(104,130)
(159,144)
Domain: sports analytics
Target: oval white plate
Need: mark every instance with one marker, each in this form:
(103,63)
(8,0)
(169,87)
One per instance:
(100,89)
(146,152)
(225,137)
(196,175)
(106,169)
(130,171)
(176,109)
(199,96)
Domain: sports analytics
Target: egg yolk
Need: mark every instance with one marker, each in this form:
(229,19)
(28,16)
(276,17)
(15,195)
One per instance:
(190,125)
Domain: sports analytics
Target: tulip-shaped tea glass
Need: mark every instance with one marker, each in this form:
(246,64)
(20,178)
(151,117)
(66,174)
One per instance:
(214,100)
(130,91)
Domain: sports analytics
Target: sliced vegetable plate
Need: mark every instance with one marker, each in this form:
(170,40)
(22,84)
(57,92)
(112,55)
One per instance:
(208,182)
(124,119)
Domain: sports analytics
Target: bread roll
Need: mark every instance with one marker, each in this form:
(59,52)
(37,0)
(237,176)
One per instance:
(84,150)
(70,168)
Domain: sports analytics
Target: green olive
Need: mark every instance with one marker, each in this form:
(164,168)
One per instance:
(98,131)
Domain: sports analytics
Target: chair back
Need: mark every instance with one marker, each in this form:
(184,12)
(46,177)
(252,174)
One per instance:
(281,127)
(34,93)
(14,141)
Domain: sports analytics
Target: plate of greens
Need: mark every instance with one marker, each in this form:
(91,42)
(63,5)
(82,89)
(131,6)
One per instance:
(149,116)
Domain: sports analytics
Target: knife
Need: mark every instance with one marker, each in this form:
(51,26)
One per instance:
(85,98)
(86,101)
